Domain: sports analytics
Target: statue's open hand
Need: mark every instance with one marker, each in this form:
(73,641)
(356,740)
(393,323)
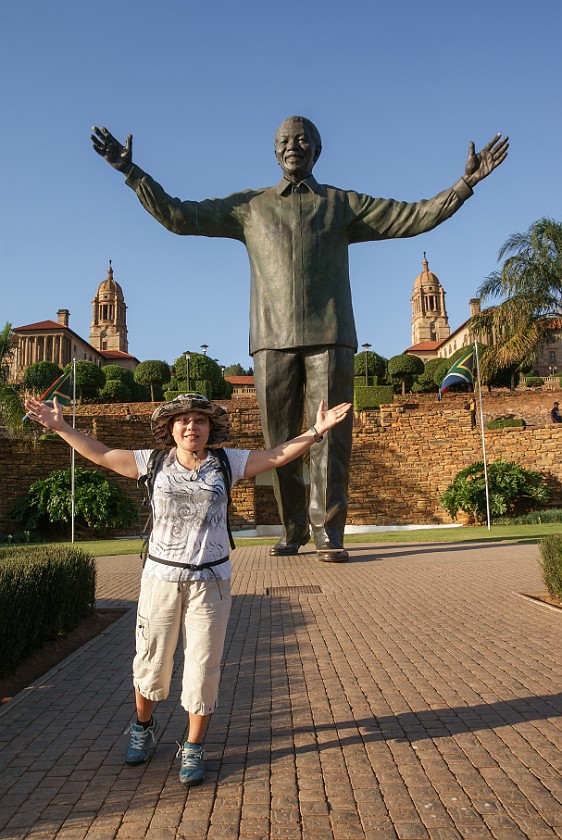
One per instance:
(478,166)
(105,144)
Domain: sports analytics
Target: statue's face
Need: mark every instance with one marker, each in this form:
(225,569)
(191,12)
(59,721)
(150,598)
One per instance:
(295,150)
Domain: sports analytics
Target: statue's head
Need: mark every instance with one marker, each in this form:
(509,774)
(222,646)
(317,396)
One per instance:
(297,147)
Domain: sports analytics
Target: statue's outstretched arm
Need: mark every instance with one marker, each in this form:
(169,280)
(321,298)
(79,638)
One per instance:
(118,156)
(479,166)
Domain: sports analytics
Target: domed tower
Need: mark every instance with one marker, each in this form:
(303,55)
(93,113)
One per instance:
(429,316)
(108,330)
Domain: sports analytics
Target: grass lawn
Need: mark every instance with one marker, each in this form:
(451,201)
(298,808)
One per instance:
(510,533)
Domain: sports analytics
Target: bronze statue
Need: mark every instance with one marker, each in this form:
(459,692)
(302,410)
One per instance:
(302,330)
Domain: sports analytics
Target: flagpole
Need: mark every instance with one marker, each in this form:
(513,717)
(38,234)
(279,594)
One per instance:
(482,433)
(72,457)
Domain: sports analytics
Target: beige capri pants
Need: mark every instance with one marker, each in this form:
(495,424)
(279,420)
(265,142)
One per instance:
(195,607)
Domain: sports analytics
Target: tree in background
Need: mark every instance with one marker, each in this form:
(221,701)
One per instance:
(403,368)
(530,281)
(201,368)
(425,383)
(120,373)
(39,376)
(375,365)
(153,374)
(89,380)
(115,391)
(238,370)
(11,404)
(120,386)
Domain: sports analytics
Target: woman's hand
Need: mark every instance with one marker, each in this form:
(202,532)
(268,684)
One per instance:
(326,420)
(46,414)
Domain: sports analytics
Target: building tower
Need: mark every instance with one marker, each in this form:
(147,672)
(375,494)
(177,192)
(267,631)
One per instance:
(108,330)
(429,316)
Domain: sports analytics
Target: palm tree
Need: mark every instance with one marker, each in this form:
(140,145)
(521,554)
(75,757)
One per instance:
(11,405)
(530,281)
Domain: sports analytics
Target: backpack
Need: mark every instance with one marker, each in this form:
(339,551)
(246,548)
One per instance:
(146,485)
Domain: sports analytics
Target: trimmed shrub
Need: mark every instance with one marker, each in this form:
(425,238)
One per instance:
(506,423)
(198,386)
(551,564)
(44,592)
(115,391)
(40,375)
(153,374)
(534,381)
(536,517)
(372,396)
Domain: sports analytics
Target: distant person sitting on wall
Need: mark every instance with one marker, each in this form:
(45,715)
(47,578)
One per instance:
(128,415)
(555,414)
(470,406)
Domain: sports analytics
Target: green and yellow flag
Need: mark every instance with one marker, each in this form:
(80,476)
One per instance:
(61,389)
(462,371)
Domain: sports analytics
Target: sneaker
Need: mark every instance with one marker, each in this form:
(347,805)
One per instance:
(192,770)
(142,741)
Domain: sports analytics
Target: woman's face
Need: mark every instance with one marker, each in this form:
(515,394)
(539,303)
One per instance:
(191,430)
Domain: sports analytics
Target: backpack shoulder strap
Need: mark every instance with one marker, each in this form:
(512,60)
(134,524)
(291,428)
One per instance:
(146,486)
(154,464)
(226,470)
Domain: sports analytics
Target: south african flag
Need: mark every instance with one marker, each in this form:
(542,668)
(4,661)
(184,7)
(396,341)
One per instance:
(462,371)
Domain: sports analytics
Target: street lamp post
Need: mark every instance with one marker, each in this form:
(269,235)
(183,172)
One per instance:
(366,349)
(204,348)
(187,355)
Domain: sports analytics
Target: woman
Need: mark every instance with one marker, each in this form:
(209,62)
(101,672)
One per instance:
(185,582)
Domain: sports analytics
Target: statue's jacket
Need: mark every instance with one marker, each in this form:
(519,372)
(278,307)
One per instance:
(297,239)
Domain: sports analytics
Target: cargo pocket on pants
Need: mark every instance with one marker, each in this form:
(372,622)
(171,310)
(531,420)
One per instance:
(142,635)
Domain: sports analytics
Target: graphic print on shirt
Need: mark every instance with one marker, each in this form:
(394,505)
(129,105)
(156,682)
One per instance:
(190,508)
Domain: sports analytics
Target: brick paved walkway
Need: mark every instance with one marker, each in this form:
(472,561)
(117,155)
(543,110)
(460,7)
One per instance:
(411,693)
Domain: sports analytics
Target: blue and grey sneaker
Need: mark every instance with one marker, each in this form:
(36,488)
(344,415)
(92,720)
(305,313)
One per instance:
(192,770)
(142,741)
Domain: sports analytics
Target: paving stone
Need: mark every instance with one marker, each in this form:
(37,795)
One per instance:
(393,705)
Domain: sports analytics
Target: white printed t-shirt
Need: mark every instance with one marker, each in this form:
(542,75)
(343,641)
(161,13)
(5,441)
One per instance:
(189,515)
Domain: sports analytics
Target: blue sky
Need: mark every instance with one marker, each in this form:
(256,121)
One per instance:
(396,89)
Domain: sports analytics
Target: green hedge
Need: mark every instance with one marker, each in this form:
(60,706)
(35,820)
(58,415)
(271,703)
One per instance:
(44,591)
(198,386)
(551,564)
(372,396)
(505,423)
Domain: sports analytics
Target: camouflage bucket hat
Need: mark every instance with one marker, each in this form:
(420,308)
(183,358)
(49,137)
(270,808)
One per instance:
(160,420)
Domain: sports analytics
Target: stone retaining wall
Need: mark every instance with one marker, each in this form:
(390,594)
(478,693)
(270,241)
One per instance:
(404,455)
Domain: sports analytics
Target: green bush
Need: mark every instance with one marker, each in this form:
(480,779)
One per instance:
(376,365)
(40,375)
(535,517)
(506,423)
(43,592)
(98,504)
(198,386)
(551,564)
(115,391)
(512,489)
(533,381)
(372,396)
